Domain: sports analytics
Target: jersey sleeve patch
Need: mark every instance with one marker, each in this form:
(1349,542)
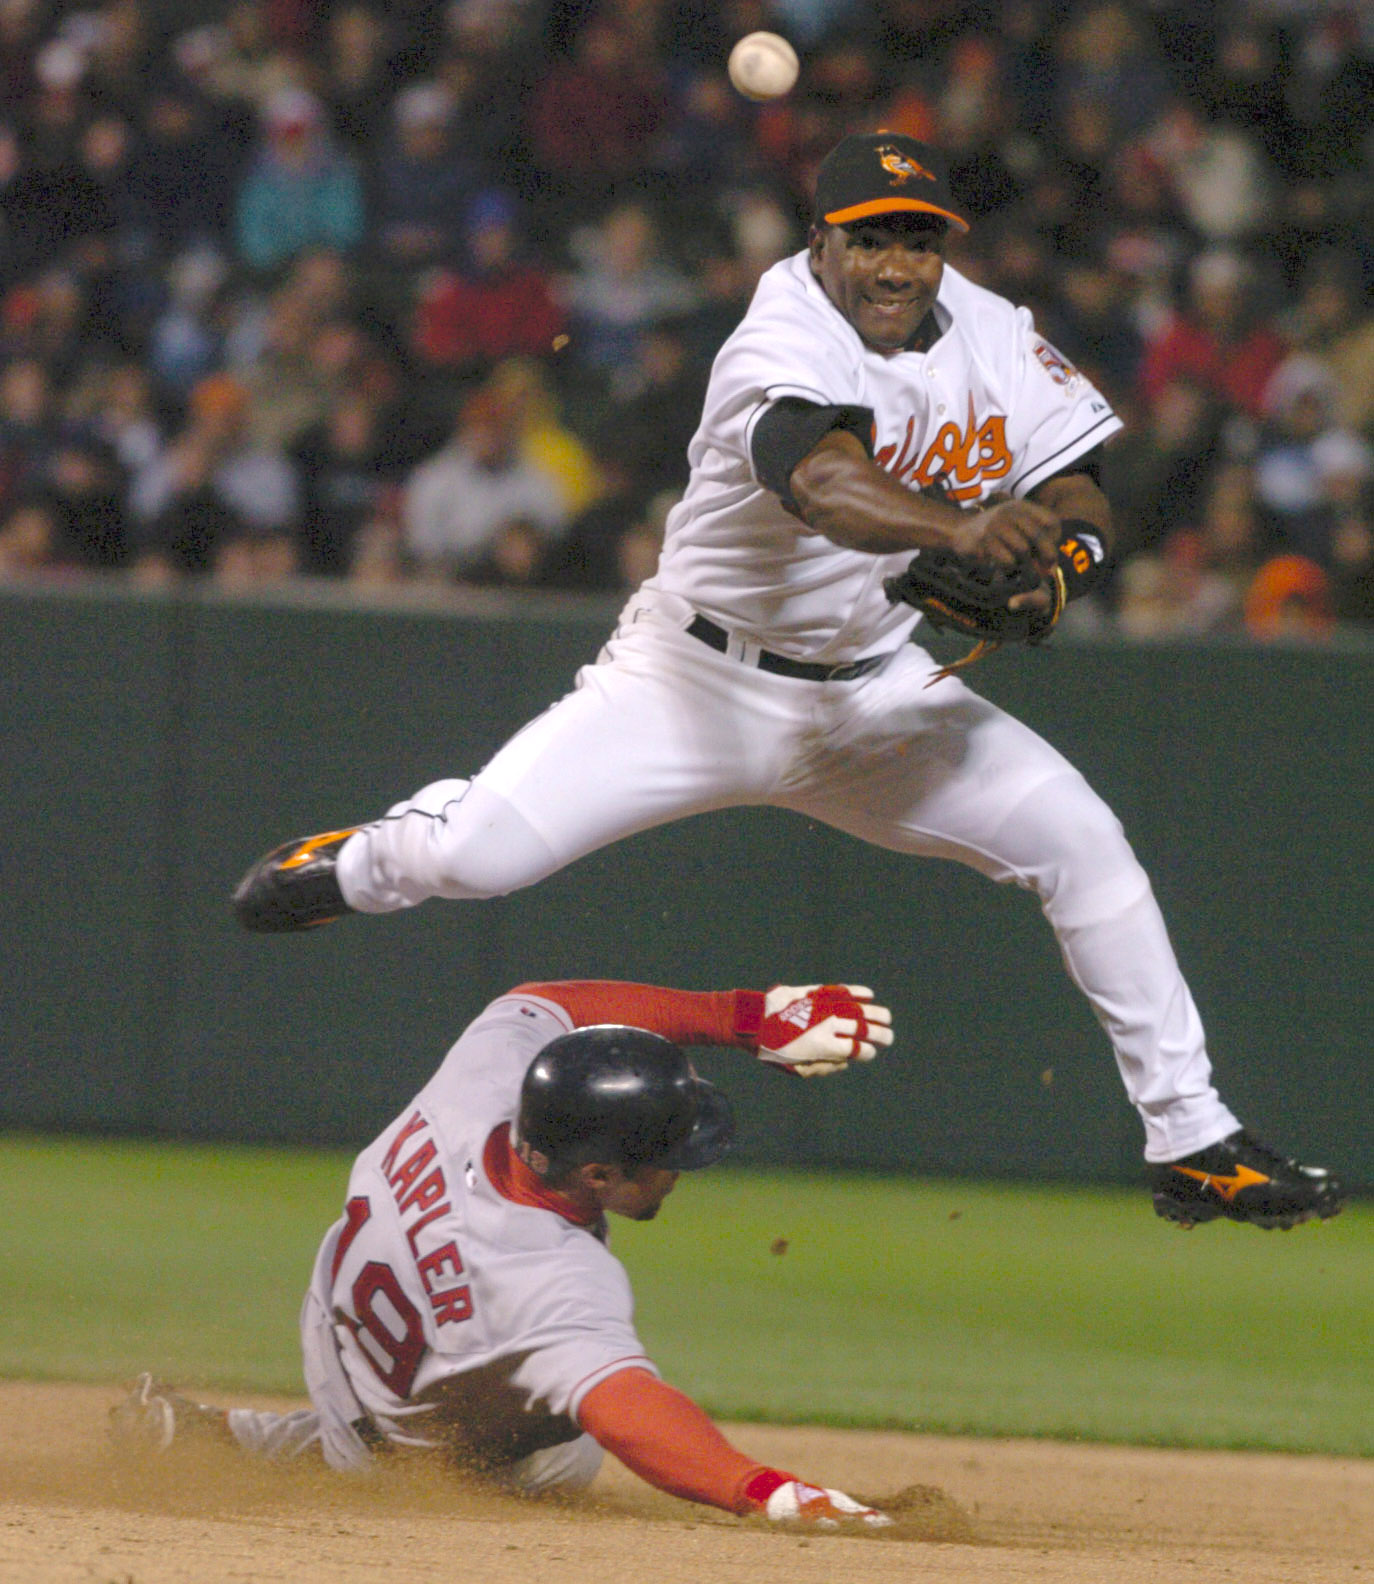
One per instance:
(1056,414)
(1053,361)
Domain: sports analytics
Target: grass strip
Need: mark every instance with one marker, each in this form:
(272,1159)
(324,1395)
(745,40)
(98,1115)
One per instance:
(945,1306)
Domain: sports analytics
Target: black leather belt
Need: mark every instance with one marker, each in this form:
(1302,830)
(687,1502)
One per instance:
(805,670)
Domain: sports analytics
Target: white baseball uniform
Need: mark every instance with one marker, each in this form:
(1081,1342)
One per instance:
(668,722)
(450,1306)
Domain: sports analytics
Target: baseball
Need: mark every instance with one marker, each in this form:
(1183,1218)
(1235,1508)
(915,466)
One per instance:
(763,66)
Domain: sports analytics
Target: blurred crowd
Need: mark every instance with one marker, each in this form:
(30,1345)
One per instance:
(414,291)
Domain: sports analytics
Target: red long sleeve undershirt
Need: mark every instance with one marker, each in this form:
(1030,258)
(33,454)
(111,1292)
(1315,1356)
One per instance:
(656,1431)
(687,1017)
(661,1435)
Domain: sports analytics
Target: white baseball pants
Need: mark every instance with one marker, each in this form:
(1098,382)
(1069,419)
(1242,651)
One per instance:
(662,726)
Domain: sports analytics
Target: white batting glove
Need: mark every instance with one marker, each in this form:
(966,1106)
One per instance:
(811,1507)
(815,1029)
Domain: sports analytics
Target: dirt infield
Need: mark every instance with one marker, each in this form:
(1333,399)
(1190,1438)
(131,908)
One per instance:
(974,1512)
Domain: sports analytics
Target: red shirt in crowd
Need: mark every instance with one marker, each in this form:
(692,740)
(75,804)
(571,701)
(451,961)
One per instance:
(460,321)
(1234,371)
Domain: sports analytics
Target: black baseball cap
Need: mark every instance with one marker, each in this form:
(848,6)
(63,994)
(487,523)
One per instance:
(876,173)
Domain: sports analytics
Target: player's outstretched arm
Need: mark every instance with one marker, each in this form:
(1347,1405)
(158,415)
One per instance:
(841,492)
(810,1030)
(661,1435)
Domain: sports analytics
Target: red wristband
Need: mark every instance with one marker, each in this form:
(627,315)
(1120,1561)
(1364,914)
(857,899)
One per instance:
(759,1487)
(748,1018)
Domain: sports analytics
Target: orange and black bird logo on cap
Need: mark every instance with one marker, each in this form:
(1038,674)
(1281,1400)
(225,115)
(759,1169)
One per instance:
(901,166)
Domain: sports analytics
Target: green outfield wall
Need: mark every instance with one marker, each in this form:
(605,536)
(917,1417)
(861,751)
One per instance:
(155,744)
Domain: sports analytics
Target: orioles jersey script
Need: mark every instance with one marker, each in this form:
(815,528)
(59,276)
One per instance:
(462,1314)
(992,407)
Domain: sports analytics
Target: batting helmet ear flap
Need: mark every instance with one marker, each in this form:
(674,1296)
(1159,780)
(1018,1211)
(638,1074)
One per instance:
(712,1133)
(619,1096)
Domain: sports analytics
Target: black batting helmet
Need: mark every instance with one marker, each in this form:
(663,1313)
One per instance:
(622,1097)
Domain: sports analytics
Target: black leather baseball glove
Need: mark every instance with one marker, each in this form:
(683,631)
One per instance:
(973,596)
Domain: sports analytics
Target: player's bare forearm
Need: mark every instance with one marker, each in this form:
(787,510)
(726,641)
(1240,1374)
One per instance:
(842,493)
(1073,497)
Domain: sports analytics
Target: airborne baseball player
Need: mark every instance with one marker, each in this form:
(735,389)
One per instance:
(466,1302)
(882,440)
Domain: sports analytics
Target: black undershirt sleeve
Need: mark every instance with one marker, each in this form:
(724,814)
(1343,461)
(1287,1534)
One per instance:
(1090,463)
(790,429)
(793,427)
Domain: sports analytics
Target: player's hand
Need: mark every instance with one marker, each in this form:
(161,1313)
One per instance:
(1005,530)
(811,1507)
(1041,599)
(815,1029)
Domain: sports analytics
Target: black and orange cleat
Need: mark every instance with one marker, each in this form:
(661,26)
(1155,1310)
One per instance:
(294,887)
(1243,1180)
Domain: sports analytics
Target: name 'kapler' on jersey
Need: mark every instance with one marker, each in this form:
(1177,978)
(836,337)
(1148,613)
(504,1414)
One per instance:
(991,407)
